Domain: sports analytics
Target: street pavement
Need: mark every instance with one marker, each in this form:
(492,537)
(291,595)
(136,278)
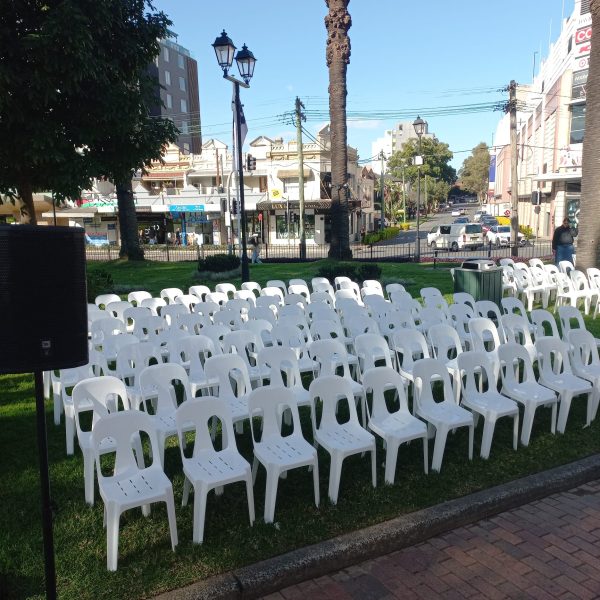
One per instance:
(547,549)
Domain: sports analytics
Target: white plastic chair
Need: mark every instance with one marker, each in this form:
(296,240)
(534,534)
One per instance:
(337,282)
(131,361)
(103,328)
(568,294)
(226,288)
(570,319)
(529,289)
(274,292)
(519,384)
(478,382)
(170,312)
(219,298)
(129,486)
(103,300)
(544,323)
(485,337)
(208,468)
(585,362)
(170,294)
(192,323)
(261,328)
(506,262)
(207,308)
(395,427)
(131,315)
(191,353)
(372,348)
(116,309)
(157,383)
(216,333)
(490,310)
(556,374)
(517,329)
(565,266)
(508,281)
(459,316)
(154,304)
(262,312)
(291,337)
(581,284)
(394,287)
(188,300)
(246,344)
(272,302)
(409,346)
(110,348)
(199,291)
(247,295)
(252,286)
(149,328)
(445,415)
(446,345)
(277,283)
(276,452)
(339,439)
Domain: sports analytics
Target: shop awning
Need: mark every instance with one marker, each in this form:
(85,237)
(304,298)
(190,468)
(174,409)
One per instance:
(163,175)
(293,204)
(573,176)
(77,213)
(292,173)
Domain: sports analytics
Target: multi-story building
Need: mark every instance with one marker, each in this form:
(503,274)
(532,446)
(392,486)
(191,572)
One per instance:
(392,141)
(177,73)
(550,130)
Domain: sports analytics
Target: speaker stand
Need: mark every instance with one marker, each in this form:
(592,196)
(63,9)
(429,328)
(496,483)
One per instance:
(49,568)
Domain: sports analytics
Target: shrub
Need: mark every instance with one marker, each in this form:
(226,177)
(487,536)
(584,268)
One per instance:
(405,226)
(378,236)
(99,282)
(368,271)
(526,231)
(219,263)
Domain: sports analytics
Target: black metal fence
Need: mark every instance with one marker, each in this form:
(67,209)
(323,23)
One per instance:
(391,252)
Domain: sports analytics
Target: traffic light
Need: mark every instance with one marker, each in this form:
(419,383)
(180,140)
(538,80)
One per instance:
(234,207)
(250,163)
(293,218)
(536,197)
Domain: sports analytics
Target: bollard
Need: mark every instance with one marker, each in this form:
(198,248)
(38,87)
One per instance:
(435,255)
(490,249)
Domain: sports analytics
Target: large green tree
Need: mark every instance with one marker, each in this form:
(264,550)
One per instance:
(338,23)
(588,242)
(474,172)
(75,100)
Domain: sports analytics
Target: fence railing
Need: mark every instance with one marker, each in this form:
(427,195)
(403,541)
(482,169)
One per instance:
(282,253)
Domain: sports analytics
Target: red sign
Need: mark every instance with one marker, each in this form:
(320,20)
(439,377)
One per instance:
(507,213)
(583,35)
(260,217)
(584,48)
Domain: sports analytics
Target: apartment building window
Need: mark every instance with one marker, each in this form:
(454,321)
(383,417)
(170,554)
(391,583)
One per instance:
(180,61)
(577,123)
(186,148)
(166,54)
(167,78)
(184,127)
(182,84)
(183,106)
(169,101)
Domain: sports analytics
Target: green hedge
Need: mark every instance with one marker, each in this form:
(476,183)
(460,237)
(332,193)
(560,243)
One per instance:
(218,263)
(355,271)
(378,236)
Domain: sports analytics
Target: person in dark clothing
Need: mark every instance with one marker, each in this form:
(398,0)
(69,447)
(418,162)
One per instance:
(562,242)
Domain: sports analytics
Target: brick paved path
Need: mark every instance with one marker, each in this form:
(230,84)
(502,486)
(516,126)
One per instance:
(546,549)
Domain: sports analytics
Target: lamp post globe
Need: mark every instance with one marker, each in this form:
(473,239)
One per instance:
(245,61)
(224,50)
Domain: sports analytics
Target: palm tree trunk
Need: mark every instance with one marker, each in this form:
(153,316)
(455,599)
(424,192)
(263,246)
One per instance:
(130,241)
(588,242)
(28,216)
(338,23)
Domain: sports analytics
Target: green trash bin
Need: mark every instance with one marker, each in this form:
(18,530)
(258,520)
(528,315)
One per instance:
(481,278)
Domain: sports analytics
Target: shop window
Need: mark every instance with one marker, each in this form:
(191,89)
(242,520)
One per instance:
(284,232)
(577,123)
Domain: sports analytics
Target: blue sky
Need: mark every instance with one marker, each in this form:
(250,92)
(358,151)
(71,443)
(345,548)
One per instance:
(406,56)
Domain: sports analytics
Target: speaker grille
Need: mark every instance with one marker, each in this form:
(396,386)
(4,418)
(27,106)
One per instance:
(43,298)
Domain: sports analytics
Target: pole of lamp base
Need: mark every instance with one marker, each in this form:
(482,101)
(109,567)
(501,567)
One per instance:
(240,166)
(49,567)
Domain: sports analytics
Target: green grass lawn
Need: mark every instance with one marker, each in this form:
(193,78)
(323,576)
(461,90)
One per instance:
(146,563)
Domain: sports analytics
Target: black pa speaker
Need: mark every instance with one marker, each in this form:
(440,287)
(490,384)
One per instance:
(43,298)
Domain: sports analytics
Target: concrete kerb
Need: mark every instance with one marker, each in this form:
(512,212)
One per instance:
(345,550)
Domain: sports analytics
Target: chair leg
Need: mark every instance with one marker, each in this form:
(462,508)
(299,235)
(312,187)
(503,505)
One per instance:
(335,475)
(374,465)
(254,469)
(57,408)
(271,495)
(438,448)
(186,491)
(516,430)
(200,500)
(170,501)
(527,425)
(88,476)
(391,458)
(426,455)
(250,495)
(563,411)
(489,425)
(70,433)
(471,436)
(112,537)
(315,470)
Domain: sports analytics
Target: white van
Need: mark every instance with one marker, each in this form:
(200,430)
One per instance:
(456,236)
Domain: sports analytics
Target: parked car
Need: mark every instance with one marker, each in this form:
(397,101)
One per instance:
(456,236)
(479,215)
(501,235)
(487,222)
(461,220)
(457,212)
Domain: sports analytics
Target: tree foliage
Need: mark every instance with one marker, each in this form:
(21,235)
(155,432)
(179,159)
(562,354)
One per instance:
(76,94)
(474,172)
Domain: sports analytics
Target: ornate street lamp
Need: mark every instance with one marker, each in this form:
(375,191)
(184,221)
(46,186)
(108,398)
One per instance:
(224,51)
(420,126)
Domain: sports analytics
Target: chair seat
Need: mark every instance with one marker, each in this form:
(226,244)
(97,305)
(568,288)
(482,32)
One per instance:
(216,468)
(453,416)
(345,437)
(530,392)
(135,488)
(399,425)
(589,372)
(491,405)
(278,451)
(566,381)
(238,407)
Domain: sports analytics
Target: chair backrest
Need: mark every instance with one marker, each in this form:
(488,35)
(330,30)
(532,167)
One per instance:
(410,346)
(269,403)
(583,351)
(105,327)
(262,312)
(219,298)
(477,374)
(169,294)
(102,300)
(326,329)
(553,356)
(226,368)
(158,382)
(299,289)
(277,283)
(318,311)
(376,303)
(171,311)
(594,277)
(216,333)
(511,305)
(516,365)
(252,286)
(329,355)
(379,380)
(318,281)
(570,318)
(506,262)
(297,301)
(117,309)
(261,328)
(431,316)
(272,302)
(346,305)
(240,305)
(544,322)
(192,322)
(429,292)
(193,351)
(330,390)
(360,323)
(445,341)
(136,297)
(121,427)
(226,288)
(536,262)
(373,284)
(154,304)
(199,412)
(371,347)
(323,287)
(394,288)
(289,336)
(134,313)
(428,372)
(245,343)
(347,294)
(489,310)
(199,291)
(248,295)
(483,331)
(134,358)
(322,298)
(353,286)
(298,321)
(579,279)
(188,300)
(273,292)
(341,279)
(564,266)
(281,361)
(148,328)
(517,330)
(110,348)
(229,318)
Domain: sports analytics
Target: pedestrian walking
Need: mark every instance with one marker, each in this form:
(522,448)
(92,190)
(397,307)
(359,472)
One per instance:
(255,246)
(562,242)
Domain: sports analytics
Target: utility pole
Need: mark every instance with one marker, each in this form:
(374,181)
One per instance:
(514,217)
(382,190)
(299,118)
(403,196)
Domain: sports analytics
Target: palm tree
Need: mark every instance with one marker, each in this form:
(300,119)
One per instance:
(588,243)
(338,23)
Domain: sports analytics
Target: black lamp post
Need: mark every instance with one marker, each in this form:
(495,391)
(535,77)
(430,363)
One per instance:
(224,50)
(420,127)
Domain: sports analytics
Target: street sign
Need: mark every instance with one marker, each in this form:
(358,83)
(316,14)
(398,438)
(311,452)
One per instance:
(507,213)
(186,208)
